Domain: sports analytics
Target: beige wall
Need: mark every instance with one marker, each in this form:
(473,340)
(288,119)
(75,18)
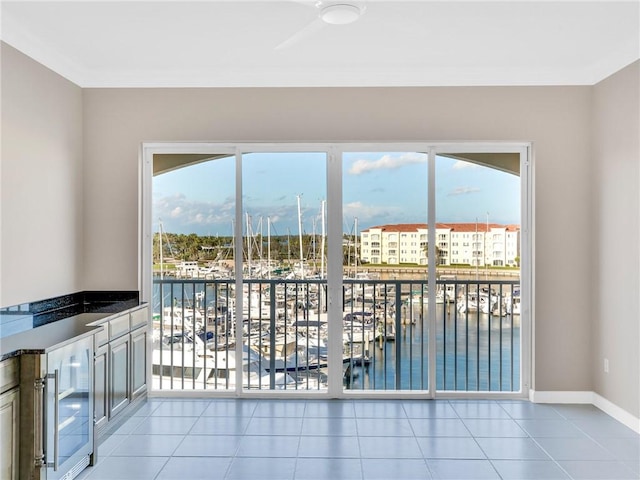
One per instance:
(616,229)
(41,182)
(555,119)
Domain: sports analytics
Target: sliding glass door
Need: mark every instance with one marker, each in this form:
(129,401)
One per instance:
(340,270)
(478,255)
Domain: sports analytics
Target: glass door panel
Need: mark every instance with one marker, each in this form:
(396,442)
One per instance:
(385,327)
(284,300)
(478,275)
(69,406)
(193,271)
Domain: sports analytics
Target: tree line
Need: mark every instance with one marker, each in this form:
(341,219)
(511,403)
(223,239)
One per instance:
(282,248)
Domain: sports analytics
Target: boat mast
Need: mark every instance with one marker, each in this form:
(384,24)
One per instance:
(476,244)
(161,258)
(233,239)
(254,239)
(300,239)
(314,221)
(322,241)
(321,290)
(355,253)
(486,264)
(269,248)
(248,245)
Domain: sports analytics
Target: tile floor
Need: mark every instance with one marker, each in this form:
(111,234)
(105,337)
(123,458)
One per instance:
(367,439)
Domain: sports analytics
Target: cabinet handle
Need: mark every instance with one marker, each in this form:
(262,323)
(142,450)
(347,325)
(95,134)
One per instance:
(56,418)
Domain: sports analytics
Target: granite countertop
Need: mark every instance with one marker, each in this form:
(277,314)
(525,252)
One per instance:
(51,336)
(40,326)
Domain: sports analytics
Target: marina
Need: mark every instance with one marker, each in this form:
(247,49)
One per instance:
(385,335)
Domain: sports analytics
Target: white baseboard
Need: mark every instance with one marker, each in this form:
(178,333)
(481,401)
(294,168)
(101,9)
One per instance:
(591,398)
(560,397)
(616,412)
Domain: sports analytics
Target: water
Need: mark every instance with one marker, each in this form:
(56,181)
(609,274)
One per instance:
(475,352)
(196,293)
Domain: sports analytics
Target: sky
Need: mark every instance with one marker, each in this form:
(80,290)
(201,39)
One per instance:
(378,188)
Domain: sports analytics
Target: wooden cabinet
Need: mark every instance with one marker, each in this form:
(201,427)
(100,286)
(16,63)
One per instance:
(9,419)
(120,367)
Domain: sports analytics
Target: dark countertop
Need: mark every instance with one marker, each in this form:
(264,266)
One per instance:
(39,326)
(51,336)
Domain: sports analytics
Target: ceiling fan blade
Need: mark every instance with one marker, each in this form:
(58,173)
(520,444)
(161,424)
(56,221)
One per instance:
(307,31)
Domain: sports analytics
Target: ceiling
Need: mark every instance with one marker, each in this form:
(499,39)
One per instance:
(394,43)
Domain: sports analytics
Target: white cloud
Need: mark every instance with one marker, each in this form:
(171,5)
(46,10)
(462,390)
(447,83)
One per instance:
(181,215)
(365,212)
(386,162)
(463,191)
(460,164)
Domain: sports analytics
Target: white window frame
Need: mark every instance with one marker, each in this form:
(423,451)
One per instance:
(334,153)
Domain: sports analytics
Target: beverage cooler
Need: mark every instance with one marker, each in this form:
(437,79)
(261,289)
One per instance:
(58,413)
(68,414)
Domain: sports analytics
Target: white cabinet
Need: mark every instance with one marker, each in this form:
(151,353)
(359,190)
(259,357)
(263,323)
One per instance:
(101,386)
(119,376)
(138,362)
(120,367)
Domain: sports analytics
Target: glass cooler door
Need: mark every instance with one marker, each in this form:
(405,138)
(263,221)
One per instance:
(69,411)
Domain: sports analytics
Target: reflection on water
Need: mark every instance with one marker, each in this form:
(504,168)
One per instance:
(470,355)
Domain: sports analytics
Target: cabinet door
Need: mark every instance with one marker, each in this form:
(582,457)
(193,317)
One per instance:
(119,368)
(101,386)
(138,362)
(9,434)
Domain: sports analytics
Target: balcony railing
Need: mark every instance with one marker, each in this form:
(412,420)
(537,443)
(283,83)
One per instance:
(384,332)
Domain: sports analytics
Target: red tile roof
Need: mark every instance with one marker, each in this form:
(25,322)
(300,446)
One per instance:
(454,227)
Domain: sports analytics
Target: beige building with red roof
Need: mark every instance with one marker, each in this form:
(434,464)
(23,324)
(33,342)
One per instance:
(457,244)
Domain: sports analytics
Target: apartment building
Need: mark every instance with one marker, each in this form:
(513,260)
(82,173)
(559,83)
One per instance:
(473,244)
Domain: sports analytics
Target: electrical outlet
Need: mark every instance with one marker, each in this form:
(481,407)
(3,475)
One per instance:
(606,365)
